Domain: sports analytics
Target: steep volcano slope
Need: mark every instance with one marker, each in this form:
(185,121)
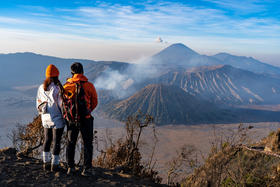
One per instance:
(172,105)
(225,84)
(167,104)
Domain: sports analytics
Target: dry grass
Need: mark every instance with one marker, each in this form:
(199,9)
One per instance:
(172,138)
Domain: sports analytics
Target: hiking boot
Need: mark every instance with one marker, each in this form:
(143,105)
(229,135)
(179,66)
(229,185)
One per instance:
(88,172)
(46,166)
(55,167)
(70,171)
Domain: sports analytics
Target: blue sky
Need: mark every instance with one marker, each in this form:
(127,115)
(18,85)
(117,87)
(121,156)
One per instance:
(131,30)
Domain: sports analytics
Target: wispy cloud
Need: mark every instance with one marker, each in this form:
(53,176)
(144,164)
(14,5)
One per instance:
(170,20)
(11,20)
(247,6)
(131,23)
(174,18)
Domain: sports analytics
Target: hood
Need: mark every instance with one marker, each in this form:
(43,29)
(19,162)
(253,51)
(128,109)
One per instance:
(77,78)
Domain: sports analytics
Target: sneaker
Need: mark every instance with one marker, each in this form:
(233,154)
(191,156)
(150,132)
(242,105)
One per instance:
(88,172)
(55,167)
(70,171)
(46,166)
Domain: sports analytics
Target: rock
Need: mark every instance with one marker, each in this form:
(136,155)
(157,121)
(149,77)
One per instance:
(29,172)
(267,149)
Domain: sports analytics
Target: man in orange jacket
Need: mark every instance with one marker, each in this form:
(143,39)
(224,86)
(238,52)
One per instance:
(86,123)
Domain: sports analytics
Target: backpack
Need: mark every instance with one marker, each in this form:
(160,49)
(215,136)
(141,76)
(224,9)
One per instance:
(74,107)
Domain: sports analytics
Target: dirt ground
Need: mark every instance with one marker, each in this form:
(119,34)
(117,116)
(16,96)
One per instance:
(26,171)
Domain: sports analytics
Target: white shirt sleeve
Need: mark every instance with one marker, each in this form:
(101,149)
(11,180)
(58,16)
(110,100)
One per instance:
(39,97)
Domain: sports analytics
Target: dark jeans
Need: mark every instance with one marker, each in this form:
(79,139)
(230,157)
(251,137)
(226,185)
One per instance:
(86,129)
(52,135)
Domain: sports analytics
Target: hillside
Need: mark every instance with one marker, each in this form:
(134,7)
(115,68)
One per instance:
(26,171)
(240,165)
(225,84)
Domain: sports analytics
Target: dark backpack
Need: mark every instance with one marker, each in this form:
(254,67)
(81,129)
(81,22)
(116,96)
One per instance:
(75,107)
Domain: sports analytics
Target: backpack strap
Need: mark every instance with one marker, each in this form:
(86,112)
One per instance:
(78,86)
(77,91)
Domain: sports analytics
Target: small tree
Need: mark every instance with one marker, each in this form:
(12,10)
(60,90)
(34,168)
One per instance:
(125,154)
(27,139)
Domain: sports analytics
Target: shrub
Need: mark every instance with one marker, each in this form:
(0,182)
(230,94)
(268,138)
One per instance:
(125,154)
(27,139)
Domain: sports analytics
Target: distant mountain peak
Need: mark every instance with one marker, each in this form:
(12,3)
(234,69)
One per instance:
(178,45)
(181,48)
(175,54)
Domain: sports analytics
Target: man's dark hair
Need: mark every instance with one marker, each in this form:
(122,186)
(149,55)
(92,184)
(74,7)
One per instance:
(77,68)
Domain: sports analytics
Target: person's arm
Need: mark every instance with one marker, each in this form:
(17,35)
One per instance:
(38,98)
(93,98)
(41,101)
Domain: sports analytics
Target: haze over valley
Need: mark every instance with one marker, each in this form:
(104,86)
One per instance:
(176,86)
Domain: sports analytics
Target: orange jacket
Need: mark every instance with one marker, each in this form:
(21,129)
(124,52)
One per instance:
(90,92)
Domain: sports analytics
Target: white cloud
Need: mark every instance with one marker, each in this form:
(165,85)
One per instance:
(175,22)
(129,23)
(11,20)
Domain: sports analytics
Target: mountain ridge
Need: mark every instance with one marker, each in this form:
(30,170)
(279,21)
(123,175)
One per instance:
(183,56)
(225,84)
(248,63)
